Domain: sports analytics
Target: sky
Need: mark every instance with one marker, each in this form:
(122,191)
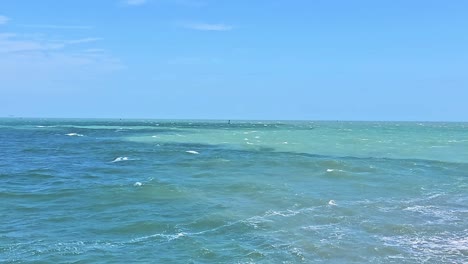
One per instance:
(235,59)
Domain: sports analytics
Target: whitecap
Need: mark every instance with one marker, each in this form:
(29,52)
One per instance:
(334,170)
(286,213)
(137,184)
(120,159)
(168,237)
(192,152)
(443,244)
(436,212)
(74,135)
(177,236)
(332,202)
(298,253)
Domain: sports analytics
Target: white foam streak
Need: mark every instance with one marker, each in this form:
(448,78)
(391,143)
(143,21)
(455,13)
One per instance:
(164,236)
(74,135)
(332,170)
(442,244)
(286,213)
(119,159)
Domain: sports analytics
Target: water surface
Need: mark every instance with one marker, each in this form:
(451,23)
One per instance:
(161,191)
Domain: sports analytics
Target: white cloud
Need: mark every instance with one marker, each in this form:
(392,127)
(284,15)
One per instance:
(208,27)
(3,20)
(135,2)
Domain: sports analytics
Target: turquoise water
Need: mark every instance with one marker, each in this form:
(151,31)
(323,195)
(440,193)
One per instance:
(116,191)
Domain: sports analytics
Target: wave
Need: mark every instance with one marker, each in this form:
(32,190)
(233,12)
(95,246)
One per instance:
(119,159)
(332,170)
(167,237)
(19,252)
(444,246)
(434,214)
(74,135)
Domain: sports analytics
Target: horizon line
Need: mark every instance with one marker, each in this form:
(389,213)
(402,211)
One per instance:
(235,119)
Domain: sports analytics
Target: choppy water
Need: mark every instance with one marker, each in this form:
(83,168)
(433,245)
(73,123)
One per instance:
(113,191)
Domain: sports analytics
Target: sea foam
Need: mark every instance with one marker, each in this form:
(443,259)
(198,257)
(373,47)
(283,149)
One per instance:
(74,135)
(120,159)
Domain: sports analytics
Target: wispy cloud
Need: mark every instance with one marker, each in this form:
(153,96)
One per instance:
(135,2)
(82,41)
(56,26)
(207,26)
(4,19)
(42,58)
(94,50)
(10,42)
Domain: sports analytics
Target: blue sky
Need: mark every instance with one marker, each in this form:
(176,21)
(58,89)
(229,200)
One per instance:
(220,59)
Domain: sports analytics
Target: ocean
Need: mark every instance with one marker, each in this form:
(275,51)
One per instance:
(184,191)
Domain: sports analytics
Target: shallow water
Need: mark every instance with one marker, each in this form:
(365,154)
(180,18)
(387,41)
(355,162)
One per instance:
(104,191)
